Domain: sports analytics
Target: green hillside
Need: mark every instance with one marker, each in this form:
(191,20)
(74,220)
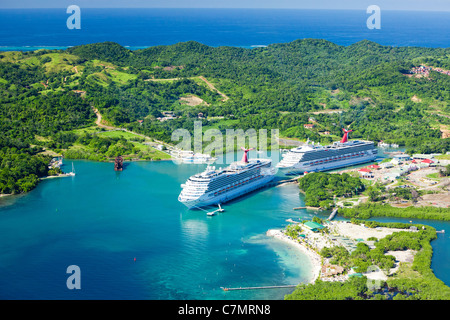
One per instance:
(50,93)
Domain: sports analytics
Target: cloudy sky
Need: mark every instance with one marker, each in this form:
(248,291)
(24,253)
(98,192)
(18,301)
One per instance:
(420,5)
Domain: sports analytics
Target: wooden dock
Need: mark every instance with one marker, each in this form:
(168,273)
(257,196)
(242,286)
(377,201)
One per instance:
(281,182)
(256,288)
(333,214)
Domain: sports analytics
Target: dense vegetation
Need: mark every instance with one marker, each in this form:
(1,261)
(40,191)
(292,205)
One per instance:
(20,168)
(276,87)
(320,188)
(26,114)
(46,94)
(413,281)
(368,210)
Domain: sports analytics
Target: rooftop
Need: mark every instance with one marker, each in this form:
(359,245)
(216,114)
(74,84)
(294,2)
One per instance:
(313,225)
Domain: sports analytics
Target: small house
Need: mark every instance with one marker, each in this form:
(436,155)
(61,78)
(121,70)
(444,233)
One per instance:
(313,226)
(386,165)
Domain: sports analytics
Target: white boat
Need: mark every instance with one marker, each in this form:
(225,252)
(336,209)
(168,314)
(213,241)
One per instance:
(383,144)
(187,156)
(314,157)
(213,186)
(73,171)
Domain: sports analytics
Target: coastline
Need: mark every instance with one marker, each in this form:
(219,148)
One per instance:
(314,257)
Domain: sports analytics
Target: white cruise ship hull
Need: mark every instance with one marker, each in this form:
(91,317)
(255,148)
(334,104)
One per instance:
(211,199)
(302,167)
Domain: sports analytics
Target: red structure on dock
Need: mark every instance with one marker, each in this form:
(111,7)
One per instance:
(118,163)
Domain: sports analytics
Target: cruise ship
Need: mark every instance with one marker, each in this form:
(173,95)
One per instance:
(314,157)
(213,187)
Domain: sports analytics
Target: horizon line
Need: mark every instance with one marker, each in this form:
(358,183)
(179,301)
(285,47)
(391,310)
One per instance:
(234,8)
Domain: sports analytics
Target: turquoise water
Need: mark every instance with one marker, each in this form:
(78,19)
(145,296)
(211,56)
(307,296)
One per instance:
(132,239)
(101,220)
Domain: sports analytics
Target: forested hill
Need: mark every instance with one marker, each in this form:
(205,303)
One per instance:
(45,95)
(276,86)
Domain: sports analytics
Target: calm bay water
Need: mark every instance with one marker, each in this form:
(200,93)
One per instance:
(101,220)
(132,239)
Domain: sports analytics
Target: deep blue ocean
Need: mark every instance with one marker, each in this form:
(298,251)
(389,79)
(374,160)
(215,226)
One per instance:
(27,29)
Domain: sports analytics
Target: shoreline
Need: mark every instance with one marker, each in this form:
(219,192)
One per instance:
(314,257)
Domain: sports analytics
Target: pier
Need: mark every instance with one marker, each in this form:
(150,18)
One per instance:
(333,214)
(256,288)
(281,182)
(442,231)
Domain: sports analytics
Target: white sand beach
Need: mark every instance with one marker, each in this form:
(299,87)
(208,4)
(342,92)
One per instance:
(315,258)
(344,229)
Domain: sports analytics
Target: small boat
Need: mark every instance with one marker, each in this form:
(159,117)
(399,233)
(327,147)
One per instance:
(73,171)
(214,212)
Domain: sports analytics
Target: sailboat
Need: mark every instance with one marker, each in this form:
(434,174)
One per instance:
(73,171)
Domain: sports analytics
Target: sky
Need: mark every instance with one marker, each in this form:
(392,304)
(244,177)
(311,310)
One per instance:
(416,5)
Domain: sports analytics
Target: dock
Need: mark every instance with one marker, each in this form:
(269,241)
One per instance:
(442,231)
(281,182)
(214,212)
(333,214)
(256,288)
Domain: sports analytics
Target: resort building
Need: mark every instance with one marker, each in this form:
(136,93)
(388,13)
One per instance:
(423,156)
(427,163)
(402,157)
(313,226)
(396,161)
(386,165)
(366,173)
(393,174)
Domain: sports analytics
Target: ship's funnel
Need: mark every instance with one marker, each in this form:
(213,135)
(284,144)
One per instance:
(245,156)
(345,137)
